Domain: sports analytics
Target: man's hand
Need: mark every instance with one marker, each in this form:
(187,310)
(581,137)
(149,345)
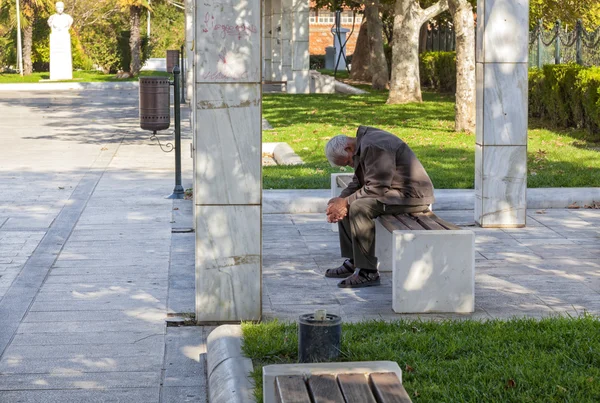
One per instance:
(337,209)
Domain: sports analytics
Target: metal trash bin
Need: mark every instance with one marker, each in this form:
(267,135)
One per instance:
(155,106)
(172,60)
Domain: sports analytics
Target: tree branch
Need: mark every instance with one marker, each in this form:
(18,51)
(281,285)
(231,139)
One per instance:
(434,10)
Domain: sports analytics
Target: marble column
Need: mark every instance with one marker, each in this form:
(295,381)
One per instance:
(189,50)
(501,138)
(300,54)
(267,39)
(287,25)
(227,185)
(276,40)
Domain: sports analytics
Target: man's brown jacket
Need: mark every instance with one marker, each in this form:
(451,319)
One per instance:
(386,169)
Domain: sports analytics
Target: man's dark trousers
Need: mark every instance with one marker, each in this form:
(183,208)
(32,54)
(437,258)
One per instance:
(357,229)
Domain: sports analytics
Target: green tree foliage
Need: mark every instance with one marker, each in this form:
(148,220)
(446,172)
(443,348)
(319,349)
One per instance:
(167,28)
(568,11)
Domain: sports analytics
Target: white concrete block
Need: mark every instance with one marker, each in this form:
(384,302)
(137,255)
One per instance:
(300,83)
(384,247)
(228,144)
(502,104)
(301,25)
(335,368)
(321,83)
(433,271)
(228,41)
(500,186)
(228,263)
(503,31)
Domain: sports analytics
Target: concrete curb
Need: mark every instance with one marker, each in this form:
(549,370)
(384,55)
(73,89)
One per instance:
(348,89)
(292,201)
(120,85)
(228,370)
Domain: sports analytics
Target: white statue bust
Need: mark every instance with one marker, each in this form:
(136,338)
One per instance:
(61,67)
(60,22)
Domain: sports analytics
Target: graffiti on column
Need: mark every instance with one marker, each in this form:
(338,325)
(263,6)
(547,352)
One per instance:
(229,41)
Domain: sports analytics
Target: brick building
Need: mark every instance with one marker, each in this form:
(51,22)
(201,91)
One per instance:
(320,24)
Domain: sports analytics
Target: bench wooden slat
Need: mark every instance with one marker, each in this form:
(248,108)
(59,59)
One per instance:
(428,222)
(445,223)
(291,389)
(344,181)
(410,222)
(387,388)
(325,389)
(392,224)
(355,388)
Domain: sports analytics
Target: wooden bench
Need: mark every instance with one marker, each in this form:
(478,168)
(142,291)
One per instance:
(381,387)
(432,261)
(333,382)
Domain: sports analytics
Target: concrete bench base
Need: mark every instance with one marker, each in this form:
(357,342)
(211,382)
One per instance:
(433,271)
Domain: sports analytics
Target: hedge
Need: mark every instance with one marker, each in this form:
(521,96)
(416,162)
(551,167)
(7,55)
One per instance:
(564,95)
(438,71)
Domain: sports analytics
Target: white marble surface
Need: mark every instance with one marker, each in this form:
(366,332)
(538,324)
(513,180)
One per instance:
(228,263)
(300,83)
(434,271)
(61,64)
(502,103)
(503,31)
(189,49)
(228,144)
(228,41)
(267,39)
(276,40)
(301,56)
(500,185)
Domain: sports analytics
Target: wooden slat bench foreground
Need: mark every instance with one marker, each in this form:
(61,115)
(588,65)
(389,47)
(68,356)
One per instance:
(432,261)
(350,382)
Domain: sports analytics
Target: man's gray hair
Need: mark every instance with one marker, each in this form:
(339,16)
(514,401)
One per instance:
(336,149)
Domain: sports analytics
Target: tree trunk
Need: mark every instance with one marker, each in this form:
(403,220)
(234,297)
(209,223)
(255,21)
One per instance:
(423,37)
(360,58)
(135,40)
(405,84)
(462,15)
(378,64)
(27,48)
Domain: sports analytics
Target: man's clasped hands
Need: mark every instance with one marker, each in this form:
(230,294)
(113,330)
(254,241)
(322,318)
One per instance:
(337,209)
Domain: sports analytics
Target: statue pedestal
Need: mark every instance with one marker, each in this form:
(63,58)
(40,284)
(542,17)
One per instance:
(61,65)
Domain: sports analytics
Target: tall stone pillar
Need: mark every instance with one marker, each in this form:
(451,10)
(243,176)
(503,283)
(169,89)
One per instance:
(267,38)
(276,39)
(501,139)
(189,50)
(300,53)
(228,186)
(287,25)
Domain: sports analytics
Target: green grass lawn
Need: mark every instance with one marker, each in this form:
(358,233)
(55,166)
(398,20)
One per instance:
(80,76)
(306,122)
(520,360)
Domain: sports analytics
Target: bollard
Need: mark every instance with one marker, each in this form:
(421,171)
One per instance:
(319,337)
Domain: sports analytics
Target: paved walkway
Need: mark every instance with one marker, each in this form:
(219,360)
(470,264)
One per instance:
(85,256)
(551,267)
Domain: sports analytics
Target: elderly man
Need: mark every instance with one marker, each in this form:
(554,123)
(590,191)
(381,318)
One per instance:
(388,179)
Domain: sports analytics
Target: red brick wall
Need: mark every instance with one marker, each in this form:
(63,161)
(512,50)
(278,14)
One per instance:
(320,37)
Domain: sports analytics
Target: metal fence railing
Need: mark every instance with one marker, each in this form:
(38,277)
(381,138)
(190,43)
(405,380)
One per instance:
(546,46)
(557,45)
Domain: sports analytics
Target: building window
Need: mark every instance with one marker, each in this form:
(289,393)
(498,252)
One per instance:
(312,17)
(325,17)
